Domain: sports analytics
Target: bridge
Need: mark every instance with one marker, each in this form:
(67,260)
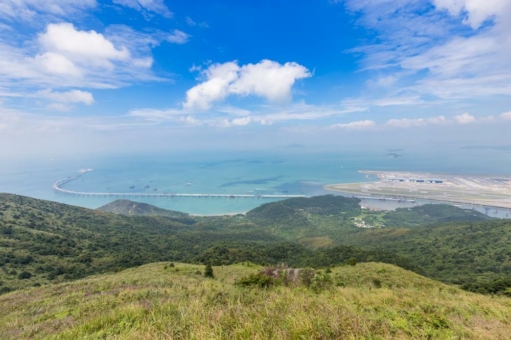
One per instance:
(57,186)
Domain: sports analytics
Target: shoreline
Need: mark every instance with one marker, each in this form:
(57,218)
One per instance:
(387,181)
(220,214)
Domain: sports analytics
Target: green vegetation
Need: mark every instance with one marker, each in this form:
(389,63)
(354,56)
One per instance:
(51,242)
(130,208)
(431,213)
(369,301)
(208,271)
(45,242)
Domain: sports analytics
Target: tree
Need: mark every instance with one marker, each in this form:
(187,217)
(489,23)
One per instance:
(351,261)
(208,271)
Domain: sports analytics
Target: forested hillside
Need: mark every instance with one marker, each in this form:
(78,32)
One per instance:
(46,242)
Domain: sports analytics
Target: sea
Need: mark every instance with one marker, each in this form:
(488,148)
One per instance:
(285,172)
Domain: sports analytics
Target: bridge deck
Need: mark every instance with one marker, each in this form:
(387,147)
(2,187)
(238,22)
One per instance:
(57,186)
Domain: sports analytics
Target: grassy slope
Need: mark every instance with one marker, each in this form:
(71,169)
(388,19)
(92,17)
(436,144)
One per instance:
(156,301)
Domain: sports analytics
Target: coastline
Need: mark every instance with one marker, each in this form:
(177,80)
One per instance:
(382,196)
(474,190)
(220,214)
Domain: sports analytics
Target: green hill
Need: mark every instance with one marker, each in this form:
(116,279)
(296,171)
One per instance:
(130,208)
(431,213)
(46,242)
(369,301)
(456,252)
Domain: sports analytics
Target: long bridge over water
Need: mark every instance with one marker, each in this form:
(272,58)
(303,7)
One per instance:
(57,186)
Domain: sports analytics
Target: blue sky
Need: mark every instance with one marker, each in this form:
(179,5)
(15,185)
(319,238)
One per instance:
(120,75)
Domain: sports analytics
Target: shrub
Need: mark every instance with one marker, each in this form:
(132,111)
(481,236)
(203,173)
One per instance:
(320,282)
(208,271)
(24,275)
(351,261)
(259,280)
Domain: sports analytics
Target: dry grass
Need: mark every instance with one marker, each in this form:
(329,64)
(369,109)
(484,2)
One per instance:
(156,301)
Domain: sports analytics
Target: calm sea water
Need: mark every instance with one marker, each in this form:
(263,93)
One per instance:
(290,172)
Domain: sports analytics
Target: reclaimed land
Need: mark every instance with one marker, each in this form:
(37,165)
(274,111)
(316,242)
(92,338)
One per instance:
(492,191)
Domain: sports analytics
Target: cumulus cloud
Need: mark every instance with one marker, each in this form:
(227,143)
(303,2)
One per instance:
(54,63)
(82,46)
(465,118)
(64,56)
(267,79)
(144,6)
(178,37)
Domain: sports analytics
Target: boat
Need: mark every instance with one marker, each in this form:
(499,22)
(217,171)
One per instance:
(188,184)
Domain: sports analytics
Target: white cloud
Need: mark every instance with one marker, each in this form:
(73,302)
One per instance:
(73,96)
(178,37)
(156,6)
(215,88)
(64,56)
(506,115)
(407,122)
(267,79)
(29,9)
(54,63)
(357,125)
(154,115)
(433,51)
(241,121)
(190,22)
(59,107)
(64,38)
(465,118)
(189,120)
(475,12)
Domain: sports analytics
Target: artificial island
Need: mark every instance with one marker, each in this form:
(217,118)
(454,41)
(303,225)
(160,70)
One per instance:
(491,191)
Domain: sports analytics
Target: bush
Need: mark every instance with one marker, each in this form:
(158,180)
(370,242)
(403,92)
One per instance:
(24,275)
(208,271)
(351,261)
(320,282)
(258,280)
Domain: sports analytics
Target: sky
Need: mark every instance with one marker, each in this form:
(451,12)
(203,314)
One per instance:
(94,76)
